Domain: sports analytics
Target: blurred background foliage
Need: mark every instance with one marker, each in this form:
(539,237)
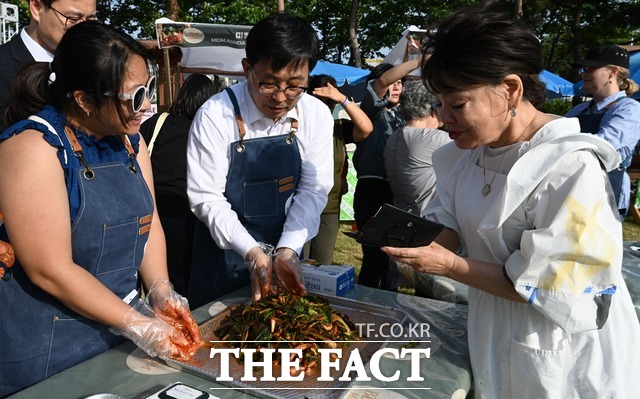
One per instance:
(566,27)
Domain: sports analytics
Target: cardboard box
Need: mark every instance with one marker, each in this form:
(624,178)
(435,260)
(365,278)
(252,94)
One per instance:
(328,279)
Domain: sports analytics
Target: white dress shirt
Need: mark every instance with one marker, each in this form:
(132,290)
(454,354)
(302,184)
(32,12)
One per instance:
(214,128)
(37,51)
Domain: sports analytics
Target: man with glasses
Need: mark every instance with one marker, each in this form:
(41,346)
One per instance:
(38,41)
(260,166)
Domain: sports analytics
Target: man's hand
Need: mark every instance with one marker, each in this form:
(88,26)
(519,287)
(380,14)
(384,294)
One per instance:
(258,261)
(286,266)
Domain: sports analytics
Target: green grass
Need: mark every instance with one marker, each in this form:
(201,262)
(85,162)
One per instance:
(630,230)
(348,251)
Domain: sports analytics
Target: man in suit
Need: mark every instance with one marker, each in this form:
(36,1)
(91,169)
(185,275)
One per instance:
(38,41)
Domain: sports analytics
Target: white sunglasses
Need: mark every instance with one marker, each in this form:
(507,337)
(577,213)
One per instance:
(138,94)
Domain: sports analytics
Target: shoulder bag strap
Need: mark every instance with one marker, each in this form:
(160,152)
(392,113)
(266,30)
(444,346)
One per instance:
(156,130)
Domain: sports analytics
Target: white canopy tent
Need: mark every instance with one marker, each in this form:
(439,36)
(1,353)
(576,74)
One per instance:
(406,48)
(206,48)
(219,49)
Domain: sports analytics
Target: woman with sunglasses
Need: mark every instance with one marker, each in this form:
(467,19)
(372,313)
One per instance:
(80,215)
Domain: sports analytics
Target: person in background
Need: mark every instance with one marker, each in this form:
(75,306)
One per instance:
(611,115)
(166,136)
(80,214)
(409,165)
(259,167)
(380,104)
(408,152)
(322,246)
(523,195)
(38,41)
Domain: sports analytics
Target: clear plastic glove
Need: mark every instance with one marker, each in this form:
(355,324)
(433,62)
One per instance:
(258,261)
(151,334)
(286,266)
(174,309)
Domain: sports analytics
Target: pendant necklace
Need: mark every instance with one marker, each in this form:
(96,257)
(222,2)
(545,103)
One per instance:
(487,186)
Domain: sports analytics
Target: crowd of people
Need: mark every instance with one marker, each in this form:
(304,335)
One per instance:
(233,188)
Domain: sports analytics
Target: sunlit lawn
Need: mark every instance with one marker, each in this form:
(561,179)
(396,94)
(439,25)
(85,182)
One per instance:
(348,251)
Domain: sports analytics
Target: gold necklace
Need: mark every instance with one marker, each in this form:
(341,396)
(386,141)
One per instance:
(487,186)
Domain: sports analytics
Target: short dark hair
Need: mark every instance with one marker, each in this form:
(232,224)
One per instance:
(416,100)
(92,57)
(321,80)
(283,40)
(378,70)
(195,90)
(477,46)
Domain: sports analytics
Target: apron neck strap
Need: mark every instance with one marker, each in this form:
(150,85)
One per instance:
(242,132)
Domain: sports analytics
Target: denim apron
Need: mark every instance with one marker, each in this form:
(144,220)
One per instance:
(108,239)
(263,174)
(590,123)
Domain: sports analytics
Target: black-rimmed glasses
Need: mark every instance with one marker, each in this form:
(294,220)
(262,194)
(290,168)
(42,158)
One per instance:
(138,94)
(269,89)
(70,21)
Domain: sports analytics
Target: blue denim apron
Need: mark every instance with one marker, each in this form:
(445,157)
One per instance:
(590,123)
(263,174)
(44,337)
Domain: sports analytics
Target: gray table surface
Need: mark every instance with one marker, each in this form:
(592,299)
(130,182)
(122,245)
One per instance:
(130,373)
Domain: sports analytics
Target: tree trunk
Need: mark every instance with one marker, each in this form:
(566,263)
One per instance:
(519,9)
(173,10)
(356,59)
(577,36)
(280,5)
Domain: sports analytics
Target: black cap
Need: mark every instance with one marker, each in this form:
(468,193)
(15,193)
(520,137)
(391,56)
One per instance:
(607,54)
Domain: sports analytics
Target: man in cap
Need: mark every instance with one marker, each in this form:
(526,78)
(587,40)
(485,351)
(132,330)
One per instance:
(611,115)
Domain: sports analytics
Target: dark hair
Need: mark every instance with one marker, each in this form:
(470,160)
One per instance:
(283,40)
(91,57)
(378,70)
(321,80)
(476,46)
(195,90)
(416,100)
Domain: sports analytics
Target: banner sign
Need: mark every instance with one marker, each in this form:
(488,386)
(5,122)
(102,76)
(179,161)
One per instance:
(190,34)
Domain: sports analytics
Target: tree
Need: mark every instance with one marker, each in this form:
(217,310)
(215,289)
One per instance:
(360,29)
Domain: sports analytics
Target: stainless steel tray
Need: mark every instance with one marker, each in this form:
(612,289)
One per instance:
(358,312)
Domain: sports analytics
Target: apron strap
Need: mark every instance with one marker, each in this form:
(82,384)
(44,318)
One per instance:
(130,152)
(605,109)
(77,152)
(236,109)
(240,123)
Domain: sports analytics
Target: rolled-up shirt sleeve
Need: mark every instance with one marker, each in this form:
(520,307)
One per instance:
(568,264)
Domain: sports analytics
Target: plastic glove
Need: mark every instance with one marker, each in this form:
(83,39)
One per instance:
(174,309)
(258,261)
(286,266)
(151,334)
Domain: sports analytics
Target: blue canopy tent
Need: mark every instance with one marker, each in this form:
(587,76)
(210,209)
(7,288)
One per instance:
(351,80)
(343,74)
(557,87)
